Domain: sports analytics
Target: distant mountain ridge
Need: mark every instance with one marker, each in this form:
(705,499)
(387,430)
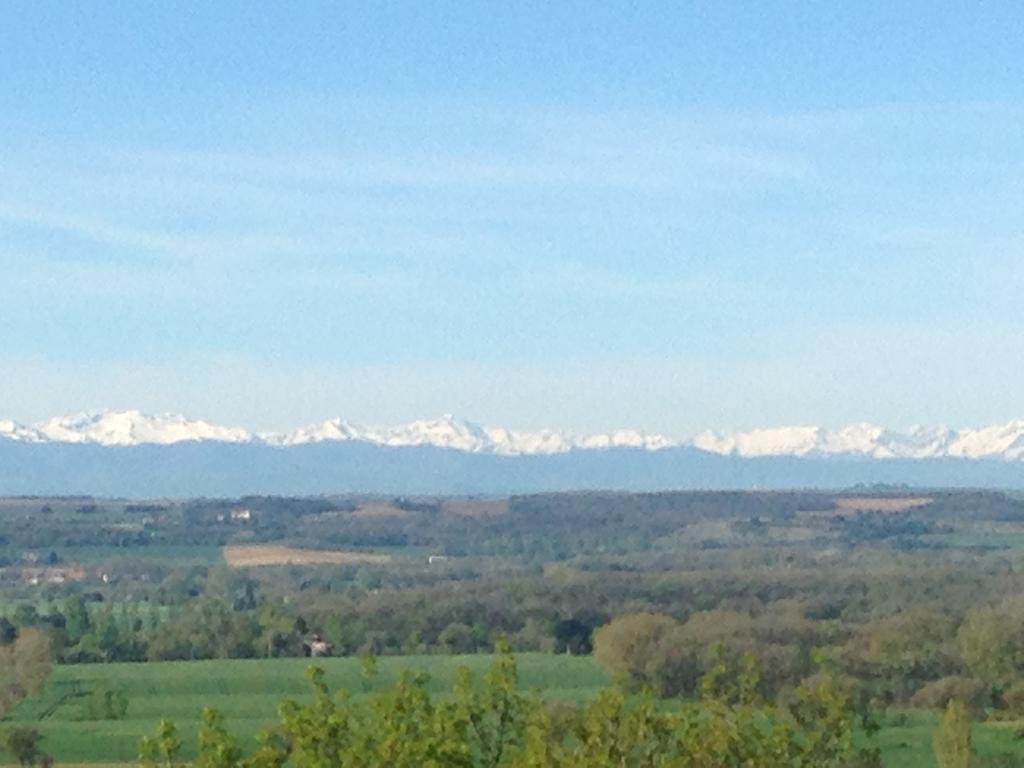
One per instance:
(134,428)
(1000,441)
(128,428)
(130,454)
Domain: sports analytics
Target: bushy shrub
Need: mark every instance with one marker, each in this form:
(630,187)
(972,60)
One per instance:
(106,704)
(23,743)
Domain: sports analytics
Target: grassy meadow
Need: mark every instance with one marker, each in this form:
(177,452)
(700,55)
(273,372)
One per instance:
(906,741)
(248,693)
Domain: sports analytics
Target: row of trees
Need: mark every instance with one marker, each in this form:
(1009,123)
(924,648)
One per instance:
(494,725)
(923,656)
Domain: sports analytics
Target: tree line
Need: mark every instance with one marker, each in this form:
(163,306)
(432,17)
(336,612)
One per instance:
(491,724)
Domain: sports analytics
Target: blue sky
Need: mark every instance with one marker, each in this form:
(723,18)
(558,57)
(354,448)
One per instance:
(584,216)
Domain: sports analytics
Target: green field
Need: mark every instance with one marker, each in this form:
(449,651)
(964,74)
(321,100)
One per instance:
(247,692)
(170,554)
(977,540)
(94,555)
(906,740)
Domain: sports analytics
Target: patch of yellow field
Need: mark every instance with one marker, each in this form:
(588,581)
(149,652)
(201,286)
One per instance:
(881,503)
(245,556)
(378,509)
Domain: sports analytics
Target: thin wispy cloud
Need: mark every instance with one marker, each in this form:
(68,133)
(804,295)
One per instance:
(507,251)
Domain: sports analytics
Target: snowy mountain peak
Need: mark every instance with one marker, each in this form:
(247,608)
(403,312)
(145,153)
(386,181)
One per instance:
(865,440)
(777,441)
(332,429)
(12,430)
(460,434)
(134,428)
(626,438)
(446,432)
(1004,441)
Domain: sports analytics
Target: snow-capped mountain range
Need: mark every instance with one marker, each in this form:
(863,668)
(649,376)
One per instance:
(127,428)
(999,441)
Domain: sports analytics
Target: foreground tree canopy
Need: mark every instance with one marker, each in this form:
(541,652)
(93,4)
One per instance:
(490,724)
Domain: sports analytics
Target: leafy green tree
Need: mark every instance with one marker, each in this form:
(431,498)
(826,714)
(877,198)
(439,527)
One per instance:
(457,638)
(217,748)
(77,622)
(991,645)
(24,666)
(899,653)
(368,672)
(8,632)
(33,660)
(162,749)
(629,646)
(574,635)
(25,615)
(975,694)
(952,740)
